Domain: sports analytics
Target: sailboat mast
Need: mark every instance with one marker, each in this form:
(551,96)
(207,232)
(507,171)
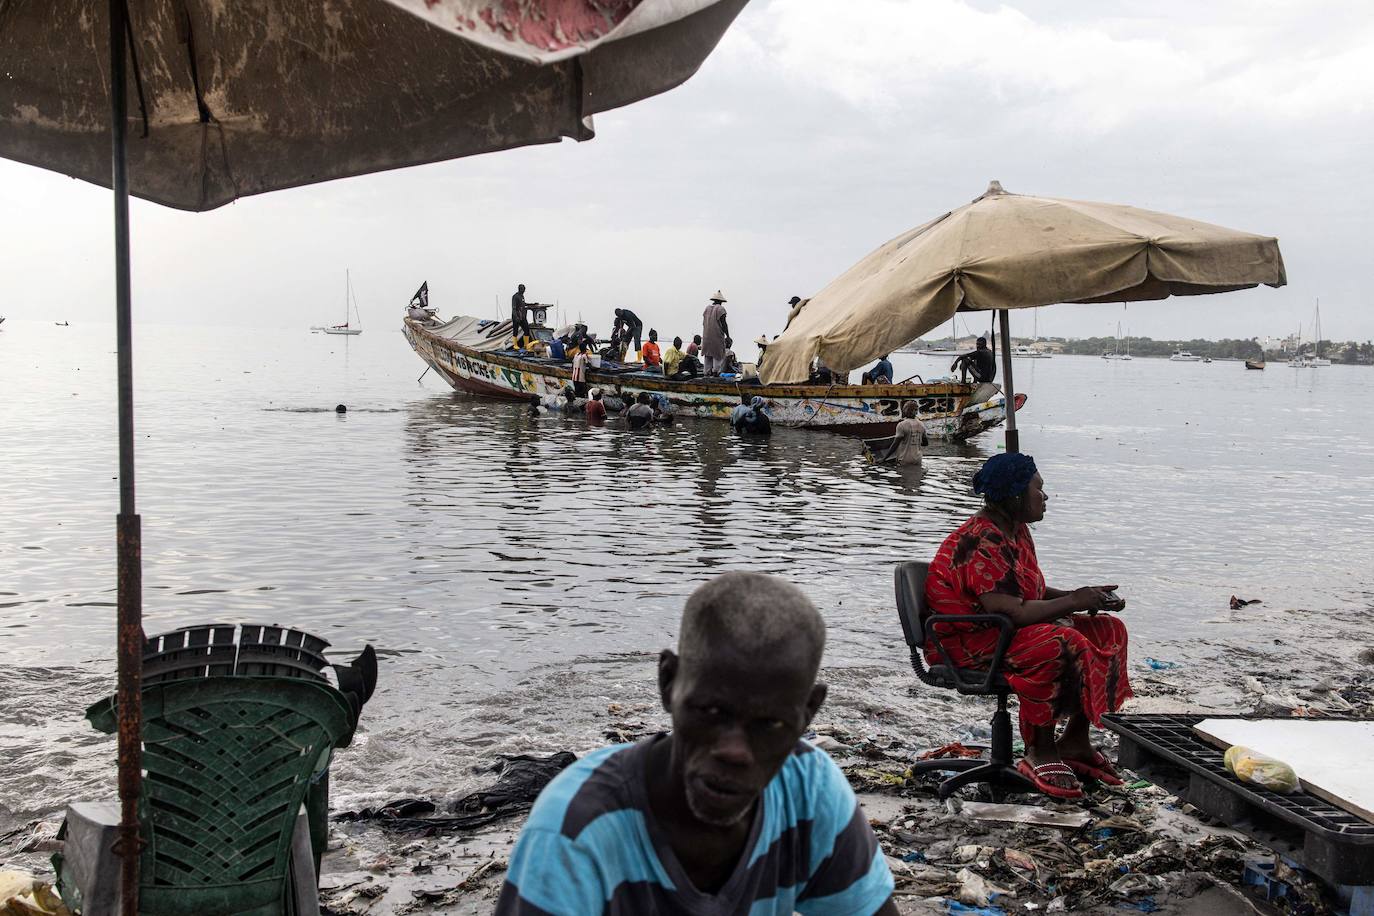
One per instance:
(347,287)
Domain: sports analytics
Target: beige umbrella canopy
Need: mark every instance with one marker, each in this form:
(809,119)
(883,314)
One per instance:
(1008,251)
(232,99)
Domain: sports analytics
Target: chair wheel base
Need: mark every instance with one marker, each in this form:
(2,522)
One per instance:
(998,777)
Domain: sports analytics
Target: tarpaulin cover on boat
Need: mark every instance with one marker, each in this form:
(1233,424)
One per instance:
(1007,251)
(232,99)
(471,333)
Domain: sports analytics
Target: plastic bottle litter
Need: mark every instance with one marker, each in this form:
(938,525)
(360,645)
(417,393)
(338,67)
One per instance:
(1158,665)
(1260,770)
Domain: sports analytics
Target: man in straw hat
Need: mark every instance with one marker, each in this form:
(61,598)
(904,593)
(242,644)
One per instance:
(762,342)
(714,330)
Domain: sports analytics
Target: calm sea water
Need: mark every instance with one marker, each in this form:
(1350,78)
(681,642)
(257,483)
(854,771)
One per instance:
(517,575)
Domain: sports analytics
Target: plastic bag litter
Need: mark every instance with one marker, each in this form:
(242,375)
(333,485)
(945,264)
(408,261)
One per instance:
(21,894)
(975,890)
(1260,770)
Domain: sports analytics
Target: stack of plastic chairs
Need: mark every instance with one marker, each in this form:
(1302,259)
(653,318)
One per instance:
(240,723)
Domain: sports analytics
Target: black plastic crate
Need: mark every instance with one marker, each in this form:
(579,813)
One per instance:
(1329,841)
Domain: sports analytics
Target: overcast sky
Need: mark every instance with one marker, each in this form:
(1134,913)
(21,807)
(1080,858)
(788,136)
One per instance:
(805,141)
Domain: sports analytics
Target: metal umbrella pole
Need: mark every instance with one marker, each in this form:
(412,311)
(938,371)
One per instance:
(1013,437)
(128,536)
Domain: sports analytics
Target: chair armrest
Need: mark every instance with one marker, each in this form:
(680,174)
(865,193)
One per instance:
(1007,631)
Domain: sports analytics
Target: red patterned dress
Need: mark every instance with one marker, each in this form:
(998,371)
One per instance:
(1047,664)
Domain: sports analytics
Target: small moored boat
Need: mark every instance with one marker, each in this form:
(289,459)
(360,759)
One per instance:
(1254,364)
(349,300)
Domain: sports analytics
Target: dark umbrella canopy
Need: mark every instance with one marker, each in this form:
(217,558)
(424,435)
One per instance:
(194,103)
(232,99)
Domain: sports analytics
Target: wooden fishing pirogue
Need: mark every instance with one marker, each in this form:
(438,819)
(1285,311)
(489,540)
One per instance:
(472,356)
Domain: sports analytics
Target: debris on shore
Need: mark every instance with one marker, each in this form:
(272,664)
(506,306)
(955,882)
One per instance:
(1132,848)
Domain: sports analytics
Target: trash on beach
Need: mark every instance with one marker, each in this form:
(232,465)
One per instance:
(1025,814)
(1261,770)
(828,744)
(953,749)
(522,779)
(975,890)
(1238,603)
(21,894)
(961,909)
(1134,884)
(1158,665)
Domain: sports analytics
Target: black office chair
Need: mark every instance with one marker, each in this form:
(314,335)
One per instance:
(997,771)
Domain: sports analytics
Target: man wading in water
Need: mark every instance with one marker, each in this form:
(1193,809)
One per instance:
(731,812)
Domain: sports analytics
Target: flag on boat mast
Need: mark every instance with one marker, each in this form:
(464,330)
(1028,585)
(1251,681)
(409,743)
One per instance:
(421,296)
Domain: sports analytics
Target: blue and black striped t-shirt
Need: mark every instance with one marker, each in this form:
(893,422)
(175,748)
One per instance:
(591,846)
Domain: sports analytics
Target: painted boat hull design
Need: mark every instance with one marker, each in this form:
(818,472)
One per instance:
(946,408)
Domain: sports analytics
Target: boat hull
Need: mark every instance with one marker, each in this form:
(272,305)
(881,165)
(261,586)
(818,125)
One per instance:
(948,409)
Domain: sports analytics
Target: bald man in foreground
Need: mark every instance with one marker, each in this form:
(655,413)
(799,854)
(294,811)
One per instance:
(731,812)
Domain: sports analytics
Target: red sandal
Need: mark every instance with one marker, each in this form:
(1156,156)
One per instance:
(1098,768)
(1036,776)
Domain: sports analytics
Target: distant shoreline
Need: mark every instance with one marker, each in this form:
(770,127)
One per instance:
(1346,353)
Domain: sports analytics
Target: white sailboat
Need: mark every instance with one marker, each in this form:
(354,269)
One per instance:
(349,301)
(951,350)
(1022,351)
(1315,361)
(1116,352)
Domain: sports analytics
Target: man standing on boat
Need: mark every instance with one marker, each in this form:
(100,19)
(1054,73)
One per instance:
(519,320)
(627,323)
(714,330)
(981,363)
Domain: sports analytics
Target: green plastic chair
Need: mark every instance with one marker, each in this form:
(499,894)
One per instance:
(229,761)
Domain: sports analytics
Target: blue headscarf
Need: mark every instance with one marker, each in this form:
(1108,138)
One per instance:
(1004,476)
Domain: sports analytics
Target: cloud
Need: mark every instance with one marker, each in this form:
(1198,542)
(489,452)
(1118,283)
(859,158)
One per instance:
(815,132)
(1193,62)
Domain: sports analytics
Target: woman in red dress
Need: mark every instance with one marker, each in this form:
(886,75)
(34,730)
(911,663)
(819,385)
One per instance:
(1066,662)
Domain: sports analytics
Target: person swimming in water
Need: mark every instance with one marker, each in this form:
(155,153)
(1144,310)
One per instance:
(749,417)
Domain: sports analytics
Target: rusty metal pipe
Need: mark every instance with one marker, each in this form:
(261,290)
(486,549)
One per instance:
(128,539)
(1009,391)
(129,698)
